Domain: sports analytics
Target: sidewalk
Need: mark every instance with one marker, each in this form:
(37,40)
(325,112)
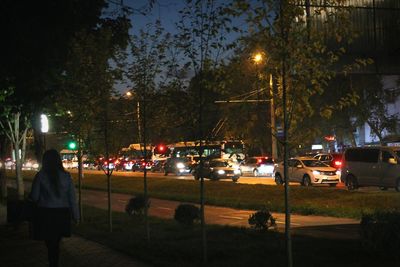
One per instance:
(17,250)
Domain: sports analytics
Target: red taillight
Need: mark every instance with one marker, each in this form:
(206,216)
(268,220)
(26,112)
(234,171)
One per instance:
(259,160)
(338,163)
(144,164)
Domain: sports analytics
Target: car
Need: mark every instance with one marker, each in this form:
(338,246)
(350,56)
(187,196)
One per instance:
(332,159)
(158,165)
(258,166)
(216,169)
(178,166)
(104,164)
(307,171)
(141,165)
(371,166)
(30,164)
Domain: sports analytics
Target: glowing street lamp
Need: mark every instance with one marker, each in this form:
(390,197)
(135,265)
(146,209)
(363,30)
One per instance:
(44,123)
(44,128)
(257,58)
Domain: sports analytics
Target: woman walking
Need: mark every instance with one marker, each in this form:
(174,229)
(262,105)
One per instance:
(54,193)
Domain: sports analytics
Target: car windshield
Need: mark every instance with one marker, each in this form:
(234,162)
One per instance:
(219,164)
(314,163)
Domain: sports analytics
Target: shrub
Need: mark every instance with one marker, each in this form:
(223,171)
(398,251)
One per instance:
(262,220)
(380,232)
(136,205)
(187,214)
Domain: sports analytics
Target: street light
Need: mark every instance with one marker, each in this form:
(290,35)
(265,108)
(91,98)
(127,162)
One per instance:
(257,58)
(44,128)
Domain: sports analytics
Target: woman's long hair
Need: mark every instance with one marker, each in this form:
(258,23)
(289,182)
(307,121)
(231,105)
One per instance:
(52,165)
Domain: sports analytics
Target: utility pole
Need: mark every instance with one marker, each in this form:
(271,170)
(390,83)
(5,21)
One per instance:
(274,143)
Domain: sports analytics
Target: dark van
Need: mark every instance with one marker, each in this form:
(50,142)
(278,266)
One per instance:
(371,166)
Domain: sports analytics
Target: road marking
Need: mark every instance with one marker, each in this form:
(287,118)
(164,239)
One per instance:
(231,217)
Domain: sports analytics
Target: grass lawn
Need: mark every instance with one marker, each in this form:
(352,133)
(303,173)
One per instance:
(174,245)
(307,201)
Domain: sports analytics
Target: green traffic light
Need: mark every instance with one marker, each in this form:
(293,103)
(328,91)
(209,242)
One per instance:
(72,145)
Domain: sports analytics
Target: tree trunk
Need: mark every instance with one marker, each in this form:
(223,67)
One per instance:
(3,176)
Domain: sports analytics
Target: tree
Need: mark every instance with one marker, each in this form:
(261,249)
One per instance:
(304,41)
(202,38)
(36,39)
(87,84)
(148,53)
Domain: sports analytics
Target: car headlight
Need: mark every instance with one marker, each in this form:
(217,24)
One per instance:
(236,171)
(221,172)
(180,165)
(316,172)
(339,172)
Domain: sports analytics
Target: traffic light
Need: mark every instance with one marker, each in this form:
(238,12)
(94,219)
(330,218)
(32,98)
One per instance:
(72,145)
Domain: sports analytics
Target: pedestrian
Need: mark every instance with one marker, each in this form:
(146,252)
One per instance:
(54,194)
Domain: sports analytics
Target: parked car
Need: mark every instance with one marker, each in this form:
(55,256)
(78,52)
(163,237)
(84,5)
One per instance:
(307,171)
(371,166)
(216,169)
(258,166)
(332,159)
(177,166)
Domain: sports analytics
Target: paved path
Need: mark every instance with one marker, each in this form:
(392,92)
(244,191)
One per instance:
(318,226)
(17,250)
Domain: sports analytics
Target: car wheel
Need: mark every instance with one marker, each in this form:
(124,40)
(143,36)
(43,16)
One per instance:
(332,185)
(196,177)
(351,183)
(306,180)
(383,188)
(278,179)
(165,173)
(256,173)
(397,185)
(235,179)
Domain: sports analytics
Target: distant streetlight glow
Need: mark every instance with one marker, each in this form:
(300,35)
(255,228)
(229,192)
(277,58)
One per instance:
(258,58)
(44,123)
(128,94)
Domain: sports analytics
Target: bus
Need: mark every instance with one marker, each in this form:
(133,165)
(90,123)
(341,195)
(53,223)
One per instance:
(232,150)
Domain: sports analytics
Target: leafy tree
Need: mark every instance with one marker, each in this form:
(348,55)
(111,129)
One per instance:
(87,83)
(34,50)
(201,37)
(148,53)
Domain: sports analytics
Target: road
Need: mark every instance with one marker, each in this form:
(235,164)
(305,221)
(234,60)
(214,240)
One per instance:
(243,179)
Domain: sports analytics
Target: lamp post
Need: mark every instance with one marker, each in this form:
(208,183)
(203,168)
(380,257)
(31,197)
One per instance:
(258,59)
(130,94)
